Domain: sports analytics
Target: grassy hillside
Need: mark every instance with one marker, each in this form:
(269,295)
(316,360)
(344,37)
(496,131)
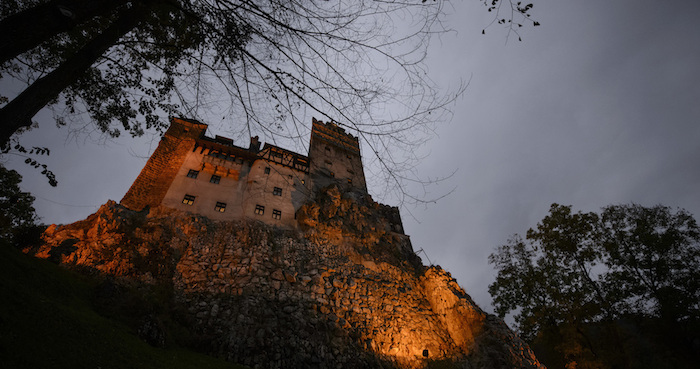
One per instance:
(47,320)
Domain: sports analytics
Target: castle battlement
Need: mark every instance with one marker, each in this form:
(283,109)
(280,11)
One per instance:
(192,172)
(333,134)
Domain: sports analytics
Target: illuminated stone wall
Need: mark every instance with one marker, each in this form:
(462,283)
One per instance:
(342,291)
(156,177)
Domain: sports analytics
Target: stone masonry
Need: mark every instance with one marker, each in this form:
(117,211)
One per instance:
(344,290)
(155,179)
(213,177)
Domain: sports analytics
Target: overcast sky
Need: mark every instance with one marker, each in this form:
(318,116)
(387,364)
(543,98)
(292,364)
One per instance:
(598,105)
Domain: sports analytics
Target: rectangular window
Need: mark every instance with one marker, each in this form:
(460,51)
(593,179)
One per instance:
(217,154)
(259,209)
(277,191)
(267,170)
(220,207)
(276,214)
(215,179)
(192,173)
(350,180)
(188,200)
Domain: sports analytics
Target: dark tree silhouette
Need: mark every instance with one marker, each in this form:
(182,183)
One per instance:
(263,64)
(582,282)
(17,216)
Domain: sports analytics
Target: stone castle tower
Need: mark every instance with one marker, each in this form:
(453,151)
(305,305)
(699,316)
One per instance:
(215,178)
(335,157)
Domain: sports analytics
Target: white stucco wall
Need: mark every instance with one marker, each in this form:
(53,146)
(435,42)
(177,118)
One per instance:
(230,190)
(261,187)
(241,188)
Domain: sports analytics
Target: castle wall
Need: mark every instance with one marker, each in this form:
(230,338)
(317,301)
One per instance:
(265,178)
(334,157)
(229,191)
(212,177)
(152,184)
(346,295)
(225,182)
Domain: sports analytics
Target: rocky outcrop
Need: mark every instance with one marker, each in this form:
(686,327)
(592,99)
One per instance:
(344,291)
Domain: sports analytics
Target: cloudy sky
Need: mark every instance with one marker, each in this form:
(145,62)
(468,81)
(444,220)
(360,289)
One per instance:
(598,105)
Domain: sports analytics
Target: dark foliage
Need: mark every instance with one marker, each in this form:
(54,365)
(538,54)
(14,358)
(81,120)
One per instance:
(264,65)
(17,216)
(605,290)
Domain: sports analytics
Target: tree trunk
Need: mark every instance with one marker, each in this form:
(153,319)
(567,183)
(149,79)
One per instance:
(27,29)
(19,112)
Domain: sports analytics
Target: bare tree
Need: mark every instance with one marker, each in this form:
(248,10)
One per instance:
(264,65)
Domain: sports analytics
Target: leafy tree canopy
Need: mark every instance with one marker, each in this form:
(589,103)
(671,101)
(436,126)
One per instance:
(580,270)
(17,214)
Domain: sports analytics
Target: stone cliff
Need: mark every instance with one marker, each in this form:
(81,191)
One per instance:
(343,291)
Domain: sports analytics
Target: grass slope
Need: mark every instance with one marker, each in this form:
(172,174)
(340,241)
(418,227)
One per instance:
(47,321)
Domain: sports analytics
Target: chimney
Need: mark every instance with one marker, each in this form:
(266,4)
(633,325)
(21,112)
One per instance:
(254,144)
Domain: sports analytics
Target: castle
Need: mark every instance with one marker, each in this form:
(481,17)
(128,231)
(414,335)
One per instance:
(213,177)
(341,287)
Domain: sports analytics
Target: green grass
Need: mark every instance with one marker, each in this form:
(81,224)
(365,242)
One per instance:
(47,321)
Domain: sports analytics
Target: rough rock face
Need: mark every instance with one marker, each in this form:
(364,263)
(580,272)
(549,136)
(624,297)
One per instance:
(342,292)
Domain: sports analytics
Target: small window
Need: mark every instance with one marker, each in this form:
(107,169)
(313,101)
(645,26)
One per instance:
(332,175)
(220,207)
(259,209)
(192,173)
(349,157)
(276,214)
(303,181)
(277,191)
(267,170)
(215,179)
(188,200)
(350,180)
